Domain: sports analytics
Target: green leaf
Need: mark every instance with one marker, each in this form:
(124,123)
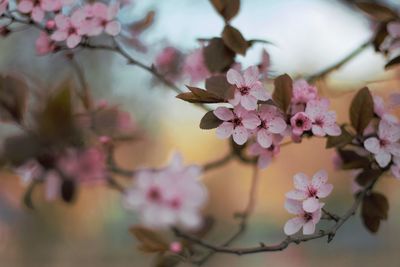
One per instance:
(150,241)
(374,209)
(217,56)
(361,110)
(197,95)
(13,96)
(393,62)
(377,12)
(209,121)
(234,40)
(366,176)
(226,8)
(283,91)
(218,85)
(341,140)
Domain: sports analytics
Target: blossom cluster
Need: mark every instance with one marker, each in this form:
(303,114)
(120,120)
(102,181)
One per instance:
(383,140)
(169,196)
(304,202)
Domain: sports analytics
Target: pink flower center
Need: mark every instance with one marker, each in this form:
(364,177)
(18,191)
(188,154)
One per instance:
(244,90)
(299,123)
(72,31)
(263,124)
(307,216)
(154,194)
(383,142)
(319,122)
(312,192)
(237,122)
(175,203)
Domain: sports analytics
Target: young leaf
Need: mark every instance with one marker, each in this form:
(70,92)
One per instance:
(339,141)
(375,208)
(393,62)
(361,110)
(13,94)
(217,56)
(367,176)
(283,91)
(234,40)
(218,85)
(197,95)
(209,121)
(226,8)
(377,12)
(351,160)
(150,241)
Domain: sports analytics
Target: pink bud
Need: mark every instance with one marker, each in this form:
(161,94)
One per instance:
(50,24)
(175,247)
(104,139)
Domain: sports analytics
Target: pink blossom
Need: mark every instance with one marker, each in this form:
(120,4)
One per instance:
(323,121)
(44,45)
(195,67)
(169,196)
(305,220)
(379,105)
(29,171)
(103,19)
(87,166)
(169,63)
(386,144)
(175,247)
(265,155)
(32,7)
(70,29)
(302,93)
(393,42)
(310,193)
(394,100)
(3,6)
(237,122)
(300,123)
(248,88)
(337,161)
(166,57)
(272,122)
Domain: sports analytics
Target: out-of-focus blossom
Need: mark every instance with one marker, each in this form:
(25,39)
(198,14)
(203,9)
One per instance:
(271,122)
(379,106)
(310,193)
(323,121)
(264,65)
(303,219)
(103,18)
(337,161)
(175,247)
(195,67)
(33,8)
(44,45)
(237,122)
(265,155)
(70,29)
(393,42)
(394,100)
(29,171)
(248,88)
(168,196)
(302,93)
(169,63)
(386,144)
(86,166)
(3,6)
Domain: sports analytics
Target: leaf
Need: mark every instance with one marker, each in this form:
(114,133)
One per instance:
(226,8)
(143,24)
(218,85)
(339,141)
(234,40)
(217,56)
(392,62)
(351,160)
(151,242)
(375,208)
(27,199)
(13,95)
(380,36)
(209,121)
(377,12)
(361,110)
(283,91)
(197,95)
(366,176)
(19,148)
(68,190)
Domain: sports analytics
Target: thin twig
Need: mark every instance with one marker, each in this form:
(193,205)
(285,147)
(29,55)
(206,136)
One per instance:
(84,95)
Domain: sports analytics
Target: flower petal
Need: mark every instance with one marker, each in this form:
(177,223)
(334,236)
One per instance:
(300,181)
(296,195)
(383,159)
(248,102)
(224,113)
(310,204)
(324,190)
(372,145)
(319,179)
(240,135)
(308,228)
(293,225)
(264,138)
(235,78)
(224,130)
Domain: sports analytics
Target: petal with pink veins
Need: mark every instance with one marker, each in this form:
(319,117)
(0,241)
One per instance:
(224,130)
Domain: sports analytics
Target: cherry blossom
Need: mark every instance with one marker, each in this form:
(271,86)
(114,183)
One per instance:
(70,29)
(303,92)
(248,88)
(3,6)
(237,122)
(393,29)
(195,67)
(271,122)
(175,247)
(32,7)
(169,196)
(386,144)
(310,193)
(305,220)
(103,19)
(44,45)
(300,123)
(323,121)
(87,166)
(265,155)
(394,100)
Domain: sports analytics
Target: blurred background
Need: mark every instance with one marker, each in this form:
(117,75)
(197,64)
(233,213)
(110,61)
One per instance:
(307,36)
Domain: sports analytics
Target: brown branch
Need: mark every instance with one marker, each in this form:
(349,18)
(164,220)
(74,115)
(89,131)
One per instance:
(84,95)
(329,233)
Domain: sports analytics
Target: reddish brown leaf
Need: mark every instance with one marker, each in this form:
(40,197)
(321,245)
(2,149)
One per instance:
(377,11)
(226,8)
(13,94)
(218,85)
(339,141)
(393,62)
(150,241)
(217,56)
(283,91)
(361,110)
(209,121)
(366,176)
(234,40)
(197,95)
(374,209)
